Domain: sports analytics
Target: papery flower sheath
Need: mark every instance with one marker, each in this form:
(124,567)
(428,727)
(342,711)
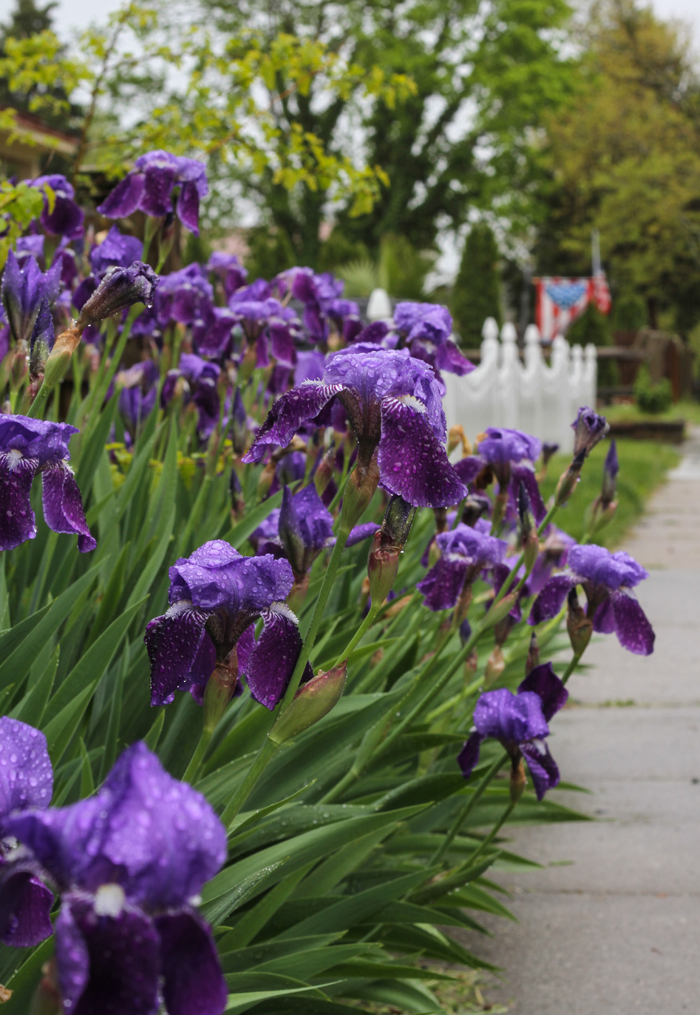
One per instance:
(130,863)
(28,447)
(215,596)
(426,329)
(394,405)
(464,552)
(26,780)
(519,722)
(607,580)
(151,187)
(66,217)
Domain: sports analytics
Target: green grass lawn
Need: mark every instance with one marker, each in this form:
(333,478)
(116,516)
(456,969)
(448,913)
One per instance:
(690,411)
(643,466)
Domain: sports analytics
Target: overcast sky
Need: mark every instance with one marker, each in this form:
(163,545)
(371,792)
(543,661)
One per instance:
(79,13)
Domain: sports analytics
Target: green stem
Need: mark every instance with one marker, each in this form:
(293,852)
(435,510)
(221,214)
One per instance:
(268,747)
(485,843)
(359,634)
(505,587)
(571,667)
(36,409)
(468,808)
(196,759)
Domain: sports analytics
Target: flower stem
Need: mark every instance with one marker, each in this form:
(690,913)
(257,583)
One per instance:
(468,808)
(571,667)
(485,843)
(196,759)
(359,634)
(505,587)
(36,409)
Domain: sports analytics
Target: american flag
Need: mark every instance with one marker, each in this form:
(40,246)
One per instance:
(561,300)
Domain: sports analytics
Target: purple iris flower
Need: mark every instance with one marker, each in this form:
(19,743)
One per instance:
(27,447)
(130,863)
(184,296)
(151,185)
(117,249)
(426,329)
(607,580)
(138,394)
(464,552)
(29,246)
(301,529)
(120,288)
(24,290)
(26,780)
(319,294)
(201,377)
(510,455)
(394,405)
(519,721)
(229,269)
(66,218)
(553,554)
(212,332)
(266,323)
(589,428)
(215,595)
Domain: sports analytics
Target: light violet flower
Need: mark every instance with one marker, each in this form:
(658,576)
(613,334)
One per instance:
(426,328)
(151,187)
(510,456)
(28,447)
(607,580)
(229,269)
(130,863)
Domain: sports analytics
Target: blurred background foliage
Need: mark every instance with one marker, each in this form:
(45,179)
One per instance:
(451,149)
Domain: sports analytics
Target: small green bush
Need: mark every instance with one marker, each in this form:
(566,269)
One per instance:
(652,398)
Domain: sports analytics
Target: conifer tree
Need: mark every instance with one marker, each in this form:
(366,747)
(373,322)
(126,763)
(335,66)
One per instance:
(477,290)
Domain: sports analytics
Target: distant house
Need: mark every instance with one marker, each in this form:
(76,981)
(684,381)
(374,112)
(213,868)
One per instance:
(26,151)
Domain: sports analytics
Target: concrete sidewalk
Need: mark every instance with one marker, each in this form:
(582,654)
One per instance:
(617,932)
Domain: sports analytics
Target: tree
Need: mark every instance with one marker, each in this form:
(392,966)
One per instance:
(483,79)
(624,158)
(27,22)
(477,289)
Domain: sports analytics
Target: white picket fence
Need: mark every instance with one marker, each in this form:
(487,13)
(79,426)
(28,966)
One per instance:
(535,396)
(539,398)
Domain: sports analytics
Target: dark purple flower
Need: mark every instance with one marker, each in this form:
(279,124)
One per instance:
(66,218)
(229,269)
(212,331)
(130,863)
(27,447)
(503,448)
(519,722)
(464,552)
(310,366)
(215,596)
(26,780)
(426,329)
(116,250)
(202,379)
(589,428)
(29,246)
(267,323)
(120,288)
(150,187)
(320,295)
(610,471)
(607,580)
(137,397)
(24,289)
(394,404)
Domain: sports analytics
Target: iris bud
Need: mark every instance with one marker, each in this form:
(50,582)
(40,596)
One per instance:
(533,655)
(312,702)
(495,665)
(579,626)
(518,781)
(496,613)
(387,547)
(120,288)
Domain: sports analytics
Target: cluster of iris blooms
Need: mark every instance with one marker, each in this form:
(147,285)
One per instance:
(289,375)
